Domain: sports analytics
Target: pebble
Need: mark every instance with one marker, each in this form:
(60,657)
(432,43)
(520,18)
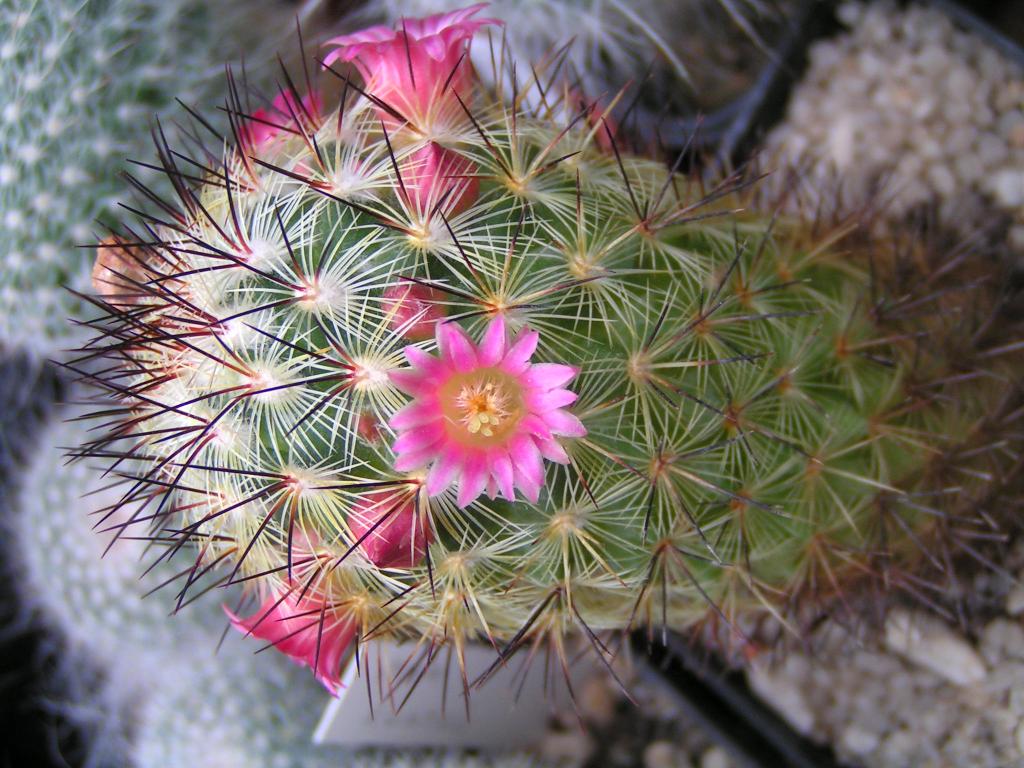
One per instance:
(859,741)
(1007,187)
(664,754)
(932,645)
(597,701)
(573,746)
(1015,601)
(716,757)
(783,693)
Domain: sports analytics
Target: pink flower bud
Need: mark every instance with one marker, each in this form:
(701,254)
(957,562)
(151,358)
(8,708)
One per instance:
(393,534)
(434,176)
(415,309)
(367,427)
(284,114)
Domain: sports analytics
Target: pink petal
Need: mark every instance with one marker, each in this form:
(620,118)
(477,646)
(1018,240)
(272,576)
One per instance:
(444,470)
(564,423)
(526,458)
(548,375)
(518,357)
(419,359)
(408,462)
(411,381)
(431,25)
(419,439)
(529,486)
(501,472)
(552,450)
(541,401)
(535,425)
(377,34)
(492,346)
(416,414)
(473,480)
(456,348)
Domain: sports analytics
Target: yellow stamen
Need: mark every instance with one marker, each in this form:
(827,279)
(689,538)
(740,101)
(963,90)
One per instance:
(481,407)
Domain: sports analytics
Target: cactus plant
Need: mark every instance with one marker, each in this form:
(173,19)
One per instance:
(80,84)
(436,366)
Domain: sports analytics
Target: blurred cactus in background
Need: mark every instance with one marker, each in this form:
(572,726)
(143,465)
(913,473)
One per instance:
(680,58)
(113,654)
(435,364)
(144,688)
(81,83)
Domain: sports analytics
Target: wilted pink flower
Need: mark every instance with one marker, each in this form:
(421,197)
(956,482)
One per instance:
(415,309)
(284,114)
(415,67)
(483,415)
(368,427)
(599,118)
(118,276)
(293,625)
(395,534)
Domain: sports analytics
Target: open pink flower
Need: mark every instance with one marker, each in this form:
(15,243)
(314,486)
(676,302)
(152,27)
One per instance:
(482,414)
(284,114)
(293,625)
(393,534)
(416,67)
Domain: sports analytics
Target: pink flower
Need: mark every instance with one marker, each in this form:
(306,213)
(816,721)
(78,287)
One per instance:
(414,309)
(284,114)
(410,67)
(395,535)
(293,625)
(483,414)
(434,175)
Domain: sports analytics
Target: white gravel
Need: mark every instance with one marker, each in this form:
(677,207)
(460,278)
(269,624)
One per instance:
(918,692)
(907,102)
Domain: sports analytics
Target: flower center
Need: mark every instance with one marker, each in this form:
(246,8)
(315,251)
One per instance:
(485,407)
(482,407)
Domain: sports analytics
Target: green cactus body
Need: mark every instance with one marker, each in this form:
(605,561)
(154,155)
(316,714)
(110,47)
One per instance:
(762,426)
